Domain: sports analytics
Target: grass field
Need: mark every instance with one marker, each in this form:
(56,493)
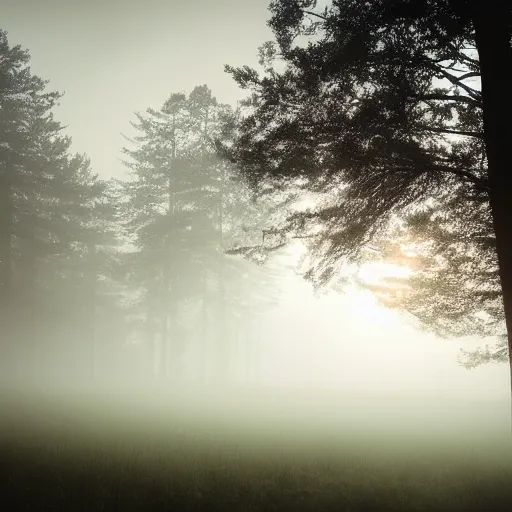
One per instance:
(88,453)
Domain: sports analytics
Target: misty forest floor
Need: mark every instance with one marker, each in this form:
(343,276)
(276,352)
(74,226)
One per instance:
(187,467)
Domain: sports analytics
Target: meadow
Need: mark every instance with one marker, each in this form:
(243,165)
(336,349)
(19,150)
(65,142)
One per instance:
(244,451)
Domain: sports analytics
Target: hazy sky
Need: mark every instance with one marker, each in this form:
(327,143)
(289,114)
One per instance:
(114,57)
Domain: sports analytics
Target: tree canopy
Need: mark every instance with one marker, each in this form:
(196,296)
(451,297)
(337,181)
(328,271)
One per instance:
(182,207)
(378,108)
(56,227)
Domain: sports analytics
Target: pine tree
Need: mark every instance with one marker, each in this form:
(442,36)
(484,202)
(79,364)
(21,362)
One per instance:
(170,205)
(176,169)
(53,212)
(453,288)
(380,111)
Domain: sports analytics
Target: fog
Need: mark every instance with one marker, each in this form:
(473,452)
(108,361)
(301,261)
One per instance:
(322,365)
(258,360)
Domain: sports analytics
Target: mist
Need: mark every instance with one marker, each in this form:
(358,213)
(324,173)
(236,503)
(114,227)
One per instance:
(319,364)
(168,335)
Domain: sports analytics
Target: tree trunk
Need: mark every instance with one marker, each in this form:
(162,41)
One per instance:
(164,334)
(25,304)
(492,22)
(6,345)
(152,340)
(89,315)
(203,361)
(167,270)
(223,349)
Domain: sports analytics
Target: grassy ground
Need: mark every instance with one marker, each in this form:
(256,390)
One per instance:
(75,463)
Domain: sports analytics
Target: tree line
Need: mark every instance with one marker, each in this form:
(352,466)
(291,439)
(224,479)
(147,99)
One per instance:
(89,266)
(394,116)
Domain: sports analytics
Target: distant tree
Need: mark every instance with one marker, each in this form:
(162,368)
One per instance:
(176,169)
(24,107)
(53,216)
(174,205)
(376,105)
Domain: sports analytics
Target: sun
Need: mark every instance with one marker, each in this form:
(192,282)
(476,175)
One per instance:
(377,272)
(371,273)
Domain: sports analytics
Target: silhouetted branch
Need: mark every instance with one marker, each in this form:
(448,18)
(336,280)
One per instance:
(459,56)
(235,251)
(457,82)
(478,135)
(311,13)
(450,97)
(471,74)
(481,183)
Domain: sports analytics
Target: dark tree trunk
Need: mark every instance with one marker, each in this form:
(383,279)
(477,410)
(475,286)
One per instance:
(25,303)
(31,326)
(492,22)
(5,237)
(203,361)
(153,315)
(222,348)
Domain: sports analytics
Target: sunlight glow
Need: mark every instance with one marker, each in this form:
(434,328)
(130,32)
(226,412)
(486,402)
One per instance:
(346,342)
(376,272)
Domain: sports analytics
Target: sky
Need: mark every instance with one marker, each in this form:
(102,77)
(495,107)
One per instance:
(114,57)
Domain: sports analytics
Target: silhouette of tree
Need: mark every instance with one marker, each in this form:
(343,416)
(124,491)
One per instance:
(379,107)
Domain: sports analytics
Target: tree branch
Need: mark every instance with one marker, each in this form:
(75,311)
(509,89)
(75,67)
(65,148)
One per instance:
(477,135)
(450,97)
(479,182)
(305,236)
(471,74)
(452,68)
(476,95)
(311,13)
(459,56)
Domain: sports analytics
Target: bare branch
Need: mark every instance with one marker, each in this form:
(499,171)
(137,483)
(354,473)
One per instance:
(461,57)
(305,236)
(471,74)
(457,81)
(452,68)
(311,13)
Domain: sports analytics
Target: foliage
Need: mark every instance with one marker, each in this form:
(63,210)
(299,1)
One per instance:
(453,285)
(183,207)
(55,215)
(377,108)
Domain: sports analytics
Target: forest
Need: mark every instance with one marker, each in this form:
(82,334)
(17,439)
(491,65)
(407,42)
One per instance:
(90,266)
(370,133)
